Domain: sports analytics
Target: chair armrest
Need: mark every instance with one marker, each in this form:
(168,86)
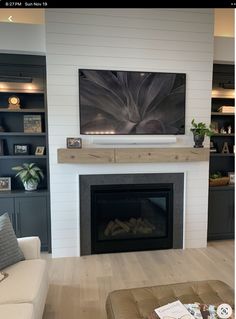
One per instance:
(30,247)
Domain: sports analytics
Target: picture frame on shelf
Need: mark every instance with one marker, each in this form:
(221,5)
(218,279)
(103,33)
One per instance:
(215,127)
(32,123)
(231,178)
(74,142)
(5,184)
(21,149)
(40,150)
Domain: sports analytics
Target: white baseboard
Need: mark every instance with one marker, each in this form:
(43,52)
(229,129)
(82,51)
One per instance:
(147,140)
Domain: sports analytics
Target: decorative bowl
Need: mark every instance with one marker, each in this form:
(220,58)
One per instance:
(220,181)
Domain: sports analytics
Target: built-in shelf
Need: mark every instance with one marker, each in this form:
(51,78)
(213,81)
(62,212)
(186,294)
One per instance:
(222,97)
(22,91)
(220,93)
(221,114)
(221,198)
(222,134)
(221,154)
(22,156)
(222,188)
(23,193)
(132,155)
(5,110)
(21,134)
(30,210)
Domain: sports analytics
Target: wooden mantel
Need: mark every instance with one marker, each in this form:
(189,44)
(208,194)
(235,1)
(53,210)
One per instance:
(132,155)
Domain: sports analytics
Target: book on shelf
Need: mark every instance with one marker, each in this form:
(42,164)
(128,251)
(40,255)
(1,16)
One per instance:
(226,109)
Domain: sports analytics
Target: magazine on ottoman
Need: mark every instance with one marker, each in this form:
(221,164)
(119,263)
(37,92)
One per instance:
(177,310)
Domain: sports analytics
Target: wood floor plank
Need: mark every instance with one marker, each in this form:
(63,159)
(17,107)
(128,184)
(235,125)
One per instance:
(79,286)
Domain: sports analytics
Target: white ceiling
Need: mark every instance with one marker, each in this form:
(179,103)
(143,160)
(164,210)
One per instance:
(224,19)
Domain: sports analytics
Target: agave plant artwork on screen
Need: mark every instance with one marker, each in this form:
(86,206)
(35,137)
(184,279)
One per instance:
(130,102)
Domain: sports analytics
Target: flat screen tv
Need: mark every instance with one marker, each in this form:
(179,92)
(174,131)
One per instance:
(131,102)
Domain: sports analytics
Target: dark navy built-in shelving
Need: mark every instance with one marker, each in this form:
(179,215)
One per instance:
(221,198)
(29,211)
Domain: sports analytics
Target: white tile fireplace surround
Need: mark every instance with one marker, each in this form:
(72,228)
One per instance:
(65,201)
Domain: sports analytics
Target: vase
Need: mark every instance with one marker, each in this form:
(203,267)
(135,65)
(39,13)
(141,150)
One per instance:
(31,185)
(198,140)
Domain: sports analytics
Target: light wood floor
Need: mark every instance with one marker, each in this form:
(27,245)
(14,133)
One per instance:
(79,286)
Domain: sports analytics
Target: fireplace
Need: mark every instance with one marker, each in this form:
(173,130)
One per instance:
(130,212)
(131,217)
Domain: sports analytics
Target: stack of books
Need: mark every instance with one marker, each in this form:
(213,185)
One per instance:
(226,109)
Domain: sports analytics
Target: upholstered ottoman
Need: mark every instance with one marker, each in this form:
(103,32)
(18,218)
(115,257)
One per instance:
(139,303)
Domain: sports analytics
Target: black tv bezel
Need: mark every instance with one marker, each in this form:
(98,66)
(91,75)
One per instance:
(141,134)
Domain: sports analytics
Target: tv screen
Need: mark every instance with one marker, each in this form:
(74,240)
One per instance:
(131,102)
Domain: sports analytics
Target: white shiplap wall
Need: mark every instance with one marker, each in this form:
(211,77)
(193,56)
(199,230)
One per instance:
(168,40)
(22,38)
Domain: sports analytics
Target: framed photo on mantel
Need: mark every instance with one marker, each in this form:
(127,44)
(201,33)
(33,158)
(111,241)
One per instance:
(74,142)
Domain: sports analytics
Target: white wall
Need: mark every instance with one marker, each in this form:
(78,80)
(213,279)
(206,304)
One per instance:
(22,38)
(224,50)
(168,40)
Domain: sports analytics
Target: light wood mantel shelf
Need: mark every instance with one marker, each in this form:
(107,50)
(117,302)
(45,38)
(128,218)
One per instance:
(131,155)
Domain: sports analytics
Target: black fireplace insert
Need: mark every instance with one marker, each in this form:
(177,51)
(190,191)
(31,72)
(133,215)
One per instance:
(131,217)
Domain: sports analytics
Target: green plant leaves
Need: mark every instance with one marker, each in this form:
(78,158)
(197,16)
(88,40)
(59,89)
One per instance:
(17,168)
(216,175)
(201,128)
(29,172)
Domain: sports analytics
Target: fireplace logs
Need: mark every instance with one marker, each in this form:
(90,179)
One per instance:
(133,225)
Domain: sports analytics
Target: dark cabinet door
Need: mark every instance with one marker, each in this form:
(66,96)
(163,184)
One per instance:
(31,217)
(231,211)
(7,206)
(221,214)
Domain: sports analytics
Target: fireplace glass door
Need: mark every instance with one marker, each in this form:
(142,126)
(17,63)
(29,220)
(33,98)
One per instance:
(130,217)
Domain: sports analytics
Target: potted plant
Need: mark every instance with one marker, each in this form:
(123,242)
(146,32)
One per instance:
(30,175)
(200,130)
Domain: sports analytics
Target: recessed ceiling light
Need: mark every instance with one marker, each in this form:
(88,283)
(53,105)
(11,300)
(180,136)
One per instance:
(10,19)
